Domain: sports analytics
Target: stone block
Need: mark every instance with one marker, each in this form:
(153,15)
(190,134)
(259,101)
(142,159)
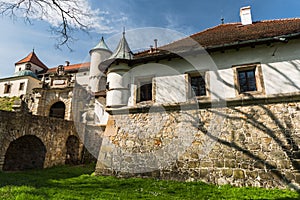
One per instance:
(265,175)
(193,164)
(219,163)
(227,172)
(252,174)
(230,163)
(259,164)
(203,173)
(206,164)
(238,174)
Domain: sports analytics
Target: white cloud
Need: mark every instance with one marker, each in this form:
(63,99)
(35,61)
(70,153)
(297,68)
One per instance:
(47,11)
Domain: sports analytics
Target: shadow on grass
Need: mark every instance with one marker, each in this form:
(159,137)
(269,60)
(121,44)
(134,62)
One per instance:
(76,182)
(40,178)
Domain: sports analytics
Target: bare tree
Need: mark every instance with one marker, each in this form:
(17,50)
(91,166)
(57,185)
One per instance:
(65,16)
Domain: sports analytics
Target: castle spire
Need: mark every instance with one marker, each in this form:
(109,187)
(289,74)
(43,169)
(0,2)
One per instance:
(123,50)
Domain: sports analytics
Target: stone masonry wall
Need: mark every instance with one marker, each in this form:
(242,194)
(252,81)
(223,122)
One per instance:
(251,145)
(52,132)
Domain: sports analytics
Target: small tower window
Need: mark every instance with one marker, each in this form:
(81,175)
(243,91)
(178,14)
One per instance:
(28,66)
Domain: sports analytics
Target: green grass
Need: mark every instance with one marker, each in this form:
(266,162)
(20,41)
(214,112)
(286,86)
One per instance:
(6,103)
(78,183)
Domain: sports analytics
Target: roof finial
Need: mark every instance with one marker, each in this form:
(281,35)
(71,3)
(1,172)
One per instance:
(33,49)
(222,20)
(124,31)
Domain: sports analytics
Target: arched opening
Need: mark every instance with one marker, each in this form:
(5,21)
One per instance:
(26,152)
(72,155)
(58,110)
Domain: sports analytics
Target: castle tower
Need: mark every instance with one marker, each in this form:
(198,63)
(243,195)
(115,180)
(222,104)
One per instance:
(118,80)
(98,54)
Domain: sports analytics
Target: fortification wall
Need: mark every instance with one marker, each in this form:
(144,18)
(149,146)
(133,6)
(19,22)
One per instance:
(256,144)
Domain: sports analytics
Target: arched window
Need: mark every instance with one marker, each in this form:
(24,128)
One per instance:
(58,110)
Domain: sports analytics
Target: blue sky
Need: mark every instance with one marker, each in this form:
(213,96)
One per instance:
(187,17)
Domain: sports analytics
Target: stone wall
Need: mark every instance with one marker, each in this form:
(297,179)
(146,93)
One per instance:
(256,144)
(52,132)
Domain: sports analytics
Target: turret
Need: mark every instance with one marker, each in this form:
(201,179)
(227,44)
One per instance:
(30,63)
(98,54)
(118,80)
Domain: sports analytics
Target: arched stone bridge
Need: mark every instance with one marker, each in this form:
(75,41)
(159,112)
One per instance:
(30,142)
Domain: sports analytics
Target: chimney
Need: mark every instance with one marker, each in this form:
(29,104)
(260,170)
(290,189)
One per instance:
(245,13)
(155,45)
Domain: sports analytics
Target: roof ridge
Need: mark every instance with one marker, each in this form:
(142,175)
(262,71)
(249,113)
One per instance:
(283,19)
(80,65)
(239,23)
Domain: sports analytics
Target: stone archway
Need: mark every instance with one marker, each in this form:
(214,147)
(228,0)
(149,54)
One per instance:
(72,155)
(26,152)
(58,110)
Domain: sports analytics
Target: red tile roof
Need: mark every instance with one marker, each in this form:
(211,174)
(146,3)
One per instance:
(226,34)
(73,67)
(32,57)
(235,32)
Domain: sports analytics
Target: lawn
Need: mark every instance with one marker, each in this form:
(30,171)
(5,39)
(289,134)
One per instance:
(79,183)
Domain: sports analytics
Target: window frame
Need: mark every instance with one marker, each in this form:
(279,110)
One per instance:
(7,88)
(256,67)
(138,83)
(205,77)
(22,86)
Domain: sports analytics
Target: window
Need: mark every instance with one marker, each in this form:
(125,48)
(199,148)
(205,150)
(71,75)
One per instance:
(7,88)
(197,84)
(248,79)
(28,66)
(144,91)
(21,87)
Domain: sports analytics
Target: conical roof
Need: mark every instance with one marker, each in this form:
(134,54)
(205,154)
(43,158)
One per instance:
(122,51)
(101,46)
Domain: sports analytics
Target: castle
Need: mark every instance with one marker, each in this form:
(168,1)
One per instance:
(225,112)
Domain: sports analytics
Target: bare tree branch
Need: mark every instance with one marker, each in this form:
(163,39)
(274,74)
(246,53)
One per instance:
(65,16)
